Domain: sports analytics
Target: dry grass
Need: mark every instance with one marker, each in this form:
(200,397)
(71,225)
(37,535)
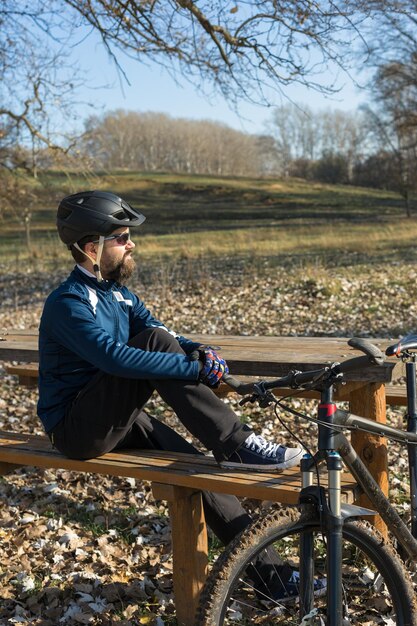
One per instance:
(194,216)
(290,239)
(334,243)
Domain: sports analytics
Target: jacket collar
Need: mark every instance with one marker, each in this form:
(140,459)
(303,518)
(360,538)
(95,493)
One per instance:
(81,276)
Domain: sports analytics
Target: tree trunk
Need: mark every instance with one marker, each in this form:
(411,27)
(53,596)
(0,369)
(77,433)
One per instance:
(406,195)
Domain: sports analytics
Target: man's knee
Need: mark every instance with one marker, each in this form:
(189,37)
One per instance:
(155,339)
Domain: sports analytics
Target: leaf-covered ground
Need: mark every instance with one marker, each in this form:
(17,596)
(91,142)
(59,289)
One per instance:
(80,549)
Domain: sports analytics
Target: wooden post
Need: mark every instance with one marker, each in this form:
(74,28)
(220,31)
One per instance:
(369,401)
(189,547)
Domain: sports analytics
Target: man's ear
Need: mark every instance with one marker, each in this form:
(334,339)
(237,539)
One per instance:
(90,249)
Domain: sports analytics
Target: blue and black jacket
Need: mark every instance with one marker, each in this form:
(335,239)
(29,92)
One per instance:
(85,327)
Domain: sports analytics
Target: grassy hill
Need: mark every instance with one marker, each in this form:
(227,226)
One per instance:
(191,216)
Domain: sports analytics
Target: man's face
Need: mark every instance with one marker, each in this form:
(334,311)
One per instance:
(116,260)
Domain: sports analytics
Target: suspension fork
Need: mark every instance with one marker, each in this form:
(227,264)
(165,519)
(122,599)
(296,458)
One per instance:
(327,504)
(331,520)
(334,542)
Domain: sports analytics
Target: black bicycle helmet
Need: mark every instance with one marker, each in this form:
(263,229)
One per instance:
(91,213)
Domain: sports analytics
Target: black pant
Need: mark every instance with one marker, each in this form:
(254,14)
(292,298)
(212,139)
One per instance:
(108,414)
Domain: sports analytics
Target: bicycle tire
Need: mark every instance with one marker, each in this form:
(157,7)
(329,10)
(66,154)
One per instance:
(368,598)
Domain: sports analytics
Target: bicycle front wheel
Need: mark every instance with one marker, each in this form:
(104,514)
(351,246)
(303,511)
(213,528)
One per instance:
(376,586)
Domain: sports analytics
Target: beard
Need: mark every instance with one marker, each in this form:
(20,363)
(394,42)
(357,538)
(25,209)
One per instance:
(122,271)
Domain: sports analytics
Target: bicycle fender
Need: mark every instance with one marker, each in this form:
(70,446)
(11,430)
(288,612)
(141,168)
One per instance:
(315,497)
(351,510)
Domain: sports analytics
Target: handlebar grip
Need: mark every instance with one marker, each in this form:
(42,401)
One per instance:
(238,385)
(370,349)
(300,378)
(234,383)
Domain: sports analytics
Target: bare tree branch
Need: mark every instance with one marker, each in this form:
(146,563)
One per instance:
(251,49)
(244,50)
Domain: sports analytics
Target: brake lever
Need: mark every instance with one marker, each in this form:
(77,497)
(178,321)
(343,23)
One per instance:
(260,395)
(266,400)
(253,398)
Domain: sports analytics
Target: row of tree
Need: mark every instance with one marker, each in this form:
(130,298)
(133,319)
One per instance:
(330,146)
(157,142)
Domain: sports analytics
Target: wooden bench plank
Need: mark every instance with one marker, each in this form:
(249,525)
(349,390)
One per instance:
(182,470)
(249,355)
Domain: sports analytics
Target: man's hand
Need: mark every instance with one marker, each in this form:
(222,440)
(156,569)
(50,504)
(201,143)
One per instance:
(213,367)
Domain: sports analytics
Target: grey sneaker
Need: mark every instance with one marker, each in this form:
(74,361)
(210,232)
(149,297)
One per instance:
(290,591)
(257,453)
(276,601)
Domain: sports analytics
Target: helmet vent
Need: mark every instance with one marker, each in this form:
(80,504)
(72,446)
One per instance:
(65,213)
(120,215)
(128,213)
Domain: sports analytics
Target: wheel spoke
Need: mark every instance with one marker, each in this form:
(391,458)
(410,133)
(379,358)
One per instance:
(243,590)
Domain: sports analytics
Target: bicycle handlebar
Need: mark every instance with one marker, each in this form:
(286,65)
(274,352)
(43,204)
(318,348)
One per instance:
(296,379)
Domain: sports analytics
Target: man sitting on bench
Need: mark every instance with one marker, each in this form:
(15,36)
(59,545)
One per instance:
(102,354)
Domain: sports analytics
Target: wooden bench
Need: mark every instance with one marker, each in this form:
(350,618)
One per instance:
(177,478)
(396,395)
(275,356)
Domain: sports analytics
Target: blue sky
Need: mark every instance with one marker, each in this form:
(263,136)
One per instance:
(153,89)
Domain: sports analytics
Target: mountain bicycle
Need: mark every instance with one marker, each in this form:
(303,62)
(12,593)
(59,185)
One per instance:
(363,578)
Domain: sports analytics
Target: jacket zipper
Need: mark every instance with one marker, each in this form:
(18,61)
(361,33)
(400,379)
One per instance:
(116,316)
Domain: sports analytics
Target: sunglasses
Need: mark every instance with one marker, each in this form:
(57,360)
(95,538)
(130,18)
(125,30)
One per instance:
(120,239)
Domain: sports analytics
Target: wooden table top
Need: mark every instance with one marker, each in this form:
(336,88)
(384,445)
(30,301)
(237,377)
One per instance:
(246,355)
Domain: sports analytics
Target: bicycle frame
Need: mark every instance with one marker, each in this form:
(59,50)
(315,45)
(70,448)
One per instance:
(412,428)
(333,446)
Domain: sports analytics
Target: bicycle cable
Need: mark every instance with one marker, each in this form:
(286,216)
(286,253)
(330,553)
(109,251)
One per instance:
(316,465)
(340,427)
(306,448)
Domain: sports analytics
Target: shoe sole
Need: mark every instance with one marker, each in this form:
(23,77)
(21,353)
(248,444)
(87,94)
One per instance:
(278,467)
